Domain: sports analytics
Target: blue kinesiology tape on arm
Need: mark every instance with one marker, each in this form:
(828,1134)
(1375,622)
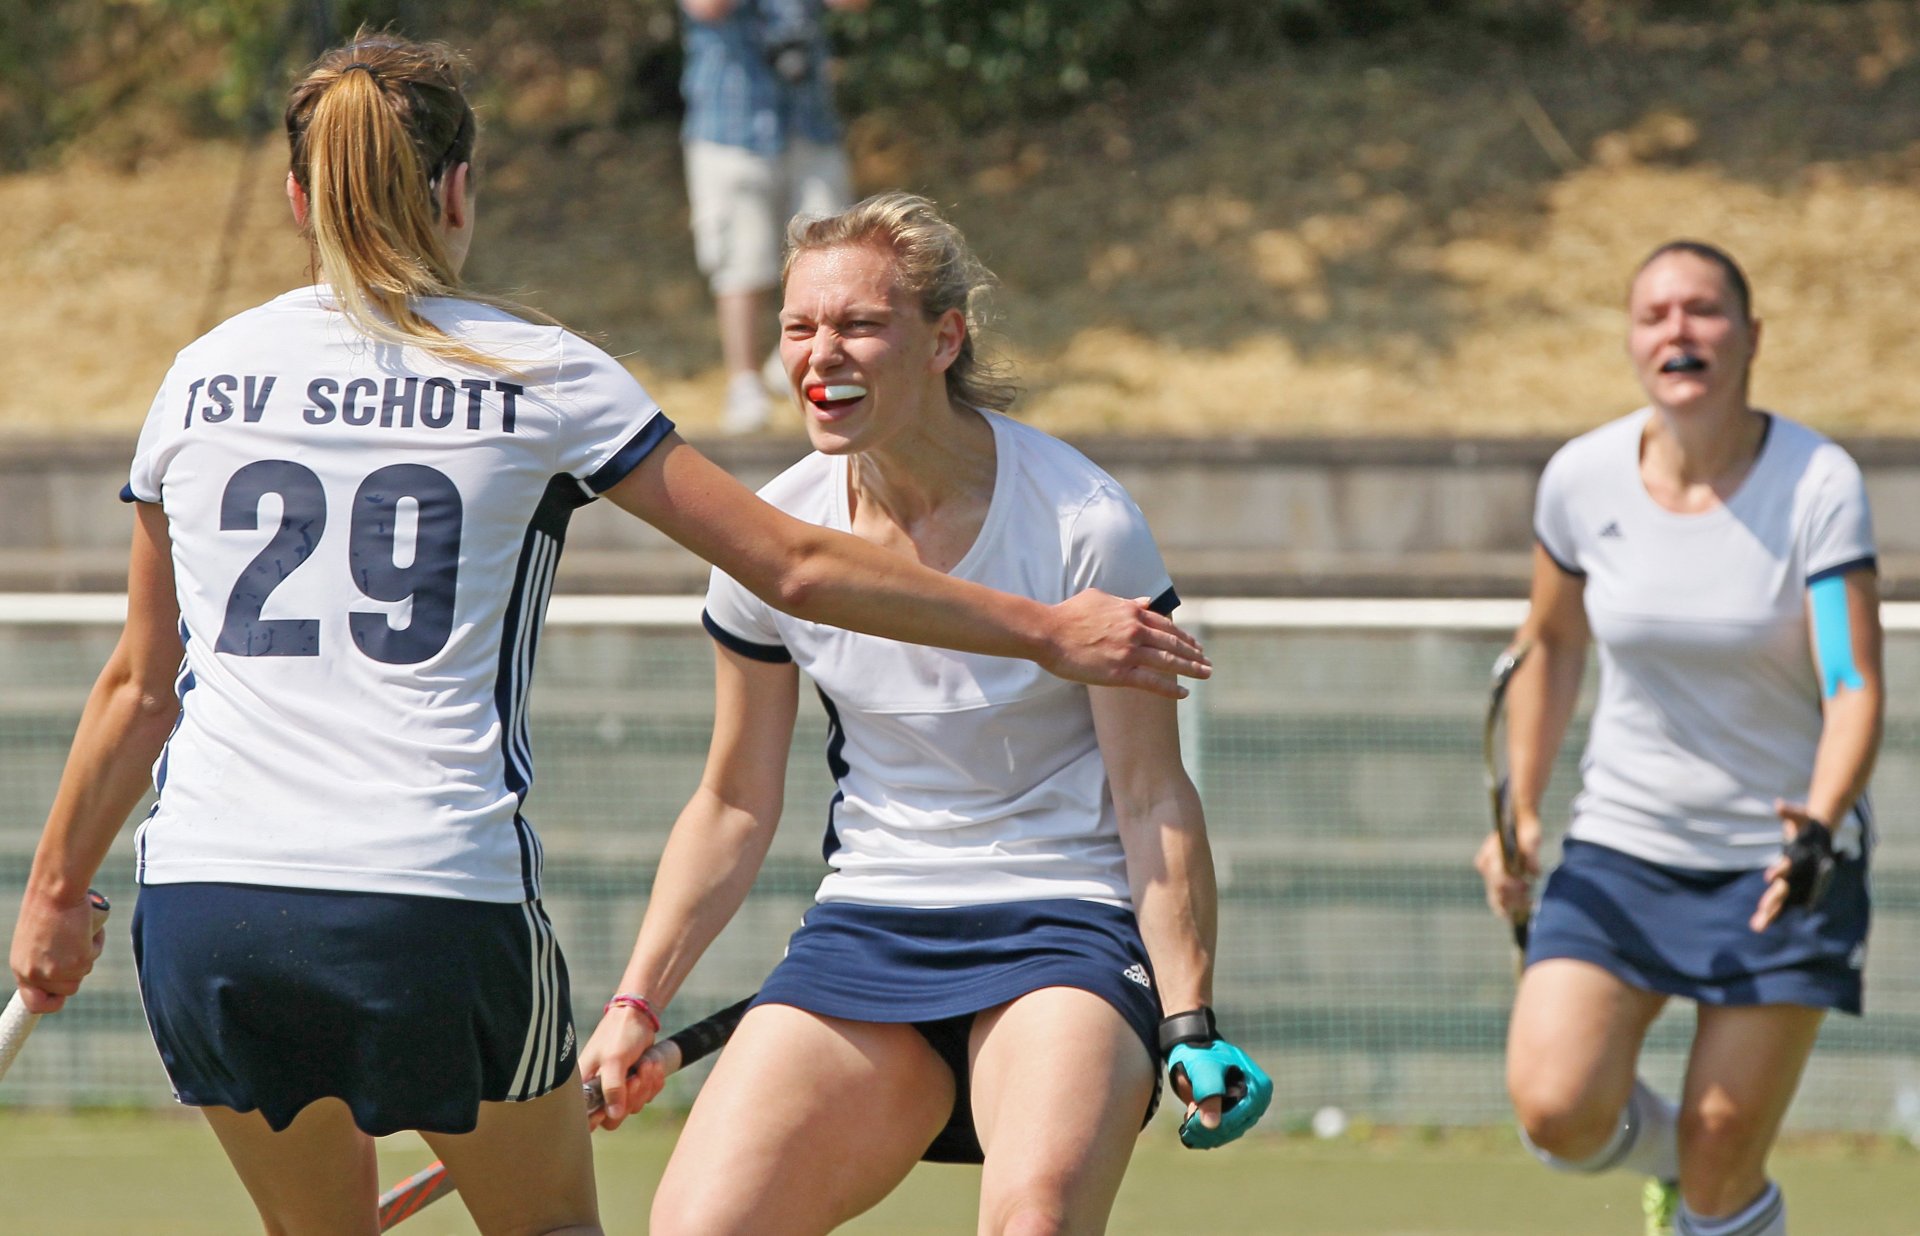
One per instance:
(1833,636)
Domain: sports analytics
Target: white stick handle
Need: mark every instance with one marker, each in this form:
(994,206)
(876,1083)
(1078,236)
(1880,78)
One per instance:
(15,1025)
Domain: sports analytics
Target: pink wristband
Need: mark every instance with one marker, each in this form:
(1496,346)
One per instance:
(639,1004)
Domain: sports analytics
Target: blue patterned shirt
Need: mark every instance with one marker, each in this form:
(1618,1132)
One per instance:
(735,98)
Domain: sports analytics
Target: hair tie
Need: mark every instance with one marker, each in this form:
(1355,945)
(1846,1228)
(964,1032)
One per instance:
(639,1004)
(359,64)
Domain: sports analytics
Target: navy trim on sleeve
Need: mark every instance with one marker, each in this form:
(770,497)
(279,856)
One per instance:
(1574,571)
(127,494)
(1165,603)
(772,654)
(628,457)
(1868,563)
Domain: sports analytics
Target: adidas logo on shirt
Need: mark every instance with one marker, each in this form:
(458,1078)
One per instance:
(1612,529)
(1138,973)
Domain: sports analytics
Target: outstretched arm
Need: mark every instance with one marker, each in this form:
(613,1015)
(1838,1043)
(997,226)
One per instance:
(125,723)
(839,580)
(711,858)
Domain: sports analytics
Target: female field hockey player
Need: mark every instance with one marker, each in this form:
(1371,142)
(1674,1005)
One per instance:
(1722,559)
(349,504)
(1018,924)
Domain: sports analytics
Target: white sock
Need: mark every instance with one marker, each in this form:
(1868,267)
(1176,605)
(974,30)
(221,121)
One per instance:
(1766,1216)
(1607,1156)
(747,408)
(773,374)
(1644,1142)
(1655,1149)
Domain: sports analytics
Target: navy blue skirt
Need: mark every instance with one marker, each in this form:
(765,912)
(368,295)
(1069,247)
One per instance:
(413,1010)
(1683,932)
(936,969)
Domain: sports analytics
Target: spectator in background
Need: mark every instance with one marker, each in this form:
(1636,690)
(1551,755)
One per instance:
(762,144)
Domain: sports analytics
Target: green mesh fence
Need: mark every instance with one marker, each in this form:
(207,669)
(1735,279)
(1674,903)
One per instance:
(1339,761)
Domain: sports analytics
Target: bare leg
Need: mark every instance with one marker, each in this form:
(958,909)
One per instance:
(1741,1077)
(742,330)
(527,1168)
(806,1122)
(1572,1050)
(317,1176)
(1060,1086)
(740,313)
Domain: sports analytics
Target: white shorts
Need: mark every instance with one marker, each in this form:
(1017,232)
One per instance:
(741,203)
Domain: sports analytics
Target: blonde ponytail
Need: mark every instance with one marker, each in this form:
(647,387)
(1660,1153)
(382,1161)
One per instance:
(374,128)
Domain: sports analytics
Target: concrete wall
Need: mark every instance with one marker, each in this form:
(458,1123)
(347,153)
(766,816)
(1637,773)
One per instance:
(1261,517)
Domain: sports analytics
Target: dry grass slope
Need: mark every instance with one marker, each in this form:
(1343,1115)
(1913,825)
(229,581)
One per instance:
(1424,238)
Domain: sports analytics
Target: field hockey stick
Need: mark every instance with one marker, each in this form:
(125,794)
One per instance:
(1504,827)
(675,1052)
(16,1023)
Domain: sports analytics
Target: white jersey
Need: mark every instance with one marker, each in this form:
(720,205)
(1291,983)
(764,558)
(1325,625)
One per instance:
(965,779)
(364,538)
(1709,705)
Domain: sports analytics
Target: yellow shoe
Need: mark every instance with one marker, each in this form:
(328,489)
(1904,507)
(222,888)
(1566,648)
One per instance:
(1660,1201)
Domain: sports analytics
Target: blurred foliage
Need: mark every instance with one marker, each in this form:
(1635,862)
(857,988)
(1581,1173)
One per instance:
(991,59)
(56,69)
(559,66)
(131,71)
